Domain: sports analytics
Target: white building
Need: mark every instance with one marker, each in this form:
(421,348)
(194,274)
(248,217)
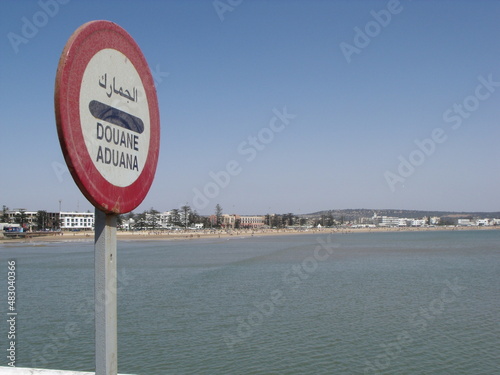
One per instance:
(402,222)
(128,224)
(389,221)
(482,222)
(164,219)
(435,220)
(77,220)
(418,222)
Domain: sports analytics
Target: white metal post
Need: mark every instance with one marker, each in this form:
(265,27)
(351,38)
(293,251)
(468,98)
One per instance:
(106,352)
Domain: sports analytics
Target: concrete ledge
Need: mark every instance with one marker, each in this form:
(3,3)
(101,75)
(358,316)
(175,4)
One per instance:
(36,371)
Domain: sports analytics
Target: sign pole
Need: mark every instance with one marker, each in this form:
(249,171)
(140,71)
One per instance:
(105,294)
(108,123)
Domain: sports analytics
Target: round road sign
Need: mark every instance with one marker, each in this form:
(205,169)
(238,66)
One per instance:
(107,116)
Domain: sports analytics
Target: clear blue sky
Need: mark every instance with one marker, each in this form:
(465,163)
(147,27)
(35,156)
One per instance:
(360,102)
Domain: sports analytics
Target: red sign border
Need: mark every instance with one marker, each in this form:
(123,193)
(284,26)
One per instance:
(85,42)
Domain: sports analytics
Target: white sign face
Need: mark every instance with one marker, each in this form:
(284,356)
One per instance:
(114,116)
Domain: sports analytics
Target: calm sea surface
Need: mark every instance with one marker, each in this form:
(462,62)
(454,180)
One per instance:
(374,303)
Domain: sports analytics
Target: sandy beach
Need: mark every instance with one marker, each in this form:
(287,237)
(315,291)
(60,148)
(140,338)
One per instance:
(207,234)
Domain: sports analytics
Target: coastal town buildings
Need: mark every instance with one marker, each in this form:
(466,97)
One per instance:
(32,220)
(29,218)
(478,222)
(389,221)
(185,219)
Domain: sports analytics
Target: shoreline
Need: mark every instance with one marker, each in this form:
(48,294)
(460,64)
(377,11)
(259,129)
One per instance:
(204,234)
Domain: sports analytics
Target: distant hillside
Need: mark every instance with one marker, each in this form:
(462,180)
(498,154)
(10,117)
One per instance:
(352,214)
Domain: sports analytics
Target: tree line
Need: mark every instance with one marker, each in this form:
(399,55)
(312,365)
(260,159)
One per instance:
(183,217)
(43,220)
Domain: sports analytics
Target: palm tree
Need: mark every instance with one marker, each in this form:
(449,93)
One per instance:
(140,221)
(218,215)
(5,215)
(186,210)
(20,218)
(41,220)
(175,217)
(153,218)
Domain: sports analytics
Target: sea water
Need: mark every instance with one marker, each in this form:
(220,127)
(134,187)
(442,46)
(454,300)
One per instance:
(367,303)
